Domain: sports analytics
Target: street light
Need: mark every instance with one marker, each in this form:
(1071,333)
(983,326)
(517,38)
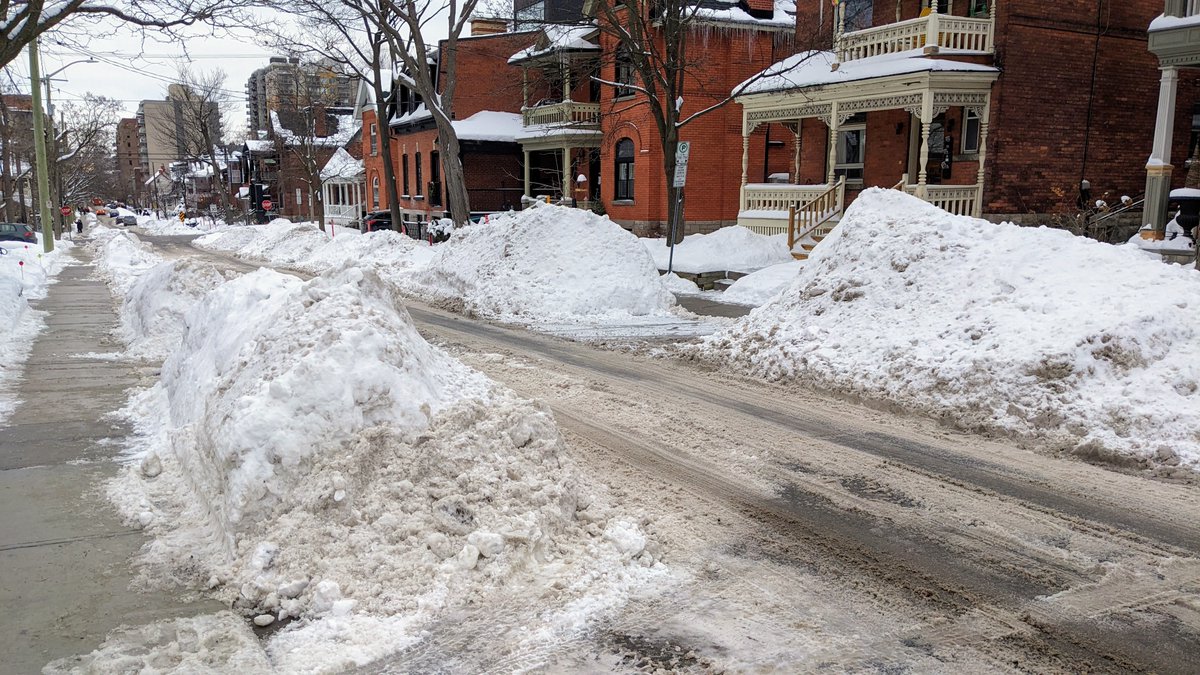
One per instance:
(54,133)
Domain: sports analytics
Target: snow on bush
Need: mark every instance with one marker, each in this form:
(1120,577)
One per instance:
(152,314)
(1034,332)
(545,264)
(320,459)
(729,248)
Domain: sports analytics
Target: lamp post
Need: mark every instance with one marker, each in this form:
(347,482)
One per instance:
(58,188)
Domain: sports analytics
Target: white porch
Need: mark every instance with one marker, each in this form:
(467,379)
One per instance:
(344,202)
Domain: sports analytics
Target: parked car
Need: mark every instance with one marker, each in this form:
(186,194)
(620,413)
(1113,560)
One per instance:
(17,232)
(129,220)
(377,220)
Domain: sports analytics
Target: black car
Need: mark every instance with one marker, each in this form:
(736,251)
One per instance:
(377,220)
(17,232)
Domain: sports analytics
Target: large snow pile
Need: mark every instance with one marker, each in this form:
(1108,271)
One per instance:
(729,248)
(386,251)
(545,264)
(121,257)
(308,454)
(1080,345)
(284,243)
(153,312)
(25,275)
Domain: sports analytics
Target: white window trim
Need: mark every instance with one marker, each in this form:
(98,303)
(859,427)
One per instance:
(962,143)
(862,127)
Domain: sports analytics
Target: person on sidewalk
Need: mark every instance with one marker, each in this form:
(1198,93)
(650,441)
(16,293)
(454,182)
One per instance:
(78,226)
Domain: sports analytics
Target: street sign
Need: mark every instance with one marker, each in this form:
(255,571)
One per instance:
(266,203)
(682,151)
(66,210)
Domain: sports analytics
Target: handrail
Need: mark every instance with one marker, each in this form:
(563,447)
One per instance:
(902,184)
(809,217)
(1125,207)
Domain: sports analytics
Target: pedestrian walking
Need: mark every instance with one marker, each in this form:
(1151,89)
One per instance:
(78,226)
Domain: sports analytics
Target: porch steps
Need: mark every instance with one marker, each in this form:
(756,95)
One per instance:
(807,246)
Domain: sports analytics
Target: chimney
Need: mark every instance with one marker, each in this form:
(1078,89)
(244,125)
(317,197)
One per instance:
(488,26)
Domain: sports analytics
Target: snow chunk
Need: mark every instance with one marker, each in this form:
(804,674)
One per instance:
(729,248)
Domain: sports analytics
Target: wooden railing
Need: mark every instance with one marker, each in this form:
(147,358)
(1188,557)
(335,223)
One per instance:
(961,200)
(940,30)
(778,197)
(806,220)
(565,113)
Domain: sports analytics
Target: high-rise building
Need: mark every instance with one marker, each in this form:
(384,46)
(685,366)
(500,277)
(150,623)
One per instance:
(129,161)
(167,130)
(276,86)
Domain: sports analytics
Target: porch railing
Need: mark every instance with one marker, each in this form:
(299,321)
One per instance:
(957,199)
(778,197)
(805,221)
(565,113)
(940,30)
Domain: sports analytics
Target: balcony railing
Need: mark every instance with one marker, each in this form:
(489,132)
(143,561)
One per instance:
(765,205)
(565,113)
(935,30)
(961,200)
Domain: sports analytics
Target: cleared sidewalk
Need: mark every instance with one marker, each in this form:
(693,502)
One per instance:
(64,554)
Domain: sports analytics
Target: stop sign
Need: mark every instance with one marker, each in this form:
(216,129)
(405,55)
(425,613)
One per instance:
(66,210)
(267,204)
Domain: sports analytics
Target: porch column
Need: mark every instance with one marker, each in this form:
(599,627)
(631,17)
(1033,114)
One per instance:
(745,161)
(923,157)
(834,123)
(984,116)
(566,66)
(566,173)
(796,153)
(527,192)
(1158,167)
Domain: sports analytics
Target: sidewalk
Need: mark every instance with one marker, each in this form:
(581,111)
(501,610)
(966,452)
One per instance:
(64,555)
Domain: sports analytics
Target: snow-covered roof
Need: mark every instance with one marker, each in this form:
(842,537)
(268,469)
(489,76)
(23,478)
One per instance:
(733,11)
(489,125)
(344,125)
(255,145)
(814,69)
(556,38)
(421,113)
(536,131)
(1163,22)
(342,165)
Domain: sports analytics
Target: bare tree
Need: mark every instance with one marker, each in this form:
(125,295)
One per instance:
(86,163)
(654,50)
(200,103)
(343,32)
(23,21)
(402,29)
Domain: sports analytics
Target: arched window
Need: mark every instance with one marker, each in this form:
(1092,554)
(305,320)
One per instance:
(624,165)
(375,192)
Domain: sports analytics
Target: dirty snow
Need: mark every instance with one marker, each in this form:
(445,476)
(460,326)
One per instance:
(307,454)
(1078,345)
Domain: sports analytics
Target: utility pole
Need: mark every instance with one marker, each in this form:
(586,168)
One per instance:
(39,141)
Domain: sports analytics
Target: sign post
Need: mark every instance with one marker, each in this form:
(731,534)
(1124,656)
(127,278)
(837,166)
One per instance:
(683,150)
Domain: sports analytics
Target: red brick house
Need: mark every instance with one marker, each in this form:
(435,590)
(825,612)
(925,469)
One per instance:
(998,109)
(487,108)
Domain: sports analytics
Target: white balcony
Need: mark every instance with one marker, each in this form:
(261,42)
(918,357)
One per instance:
(961,200)
(932,33)
(566,113)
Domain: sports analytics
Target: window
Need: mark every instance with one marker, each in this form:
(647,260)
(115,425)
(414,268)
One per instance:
(851,147)
(626,77)
(624,165)
(375,192)
(859,14)
(978,8)
(419,184)
(943,6)
(435,180)
(374,139)
(404,174)
(970,133)
(299,198)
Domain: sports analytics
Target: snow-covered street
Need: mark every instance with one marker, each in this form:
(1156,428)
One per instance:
(383,454)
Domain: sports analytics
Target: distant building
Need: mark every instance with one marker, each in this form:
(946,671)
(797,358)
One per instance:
(276,86)
(531,14)
(163,134)
(129,161)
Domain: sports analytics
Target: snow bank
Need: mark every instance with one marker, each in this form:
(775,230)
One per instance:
(729,248)
(545,264)
(152,315)
(386,251)
(757,288)
(1080,345)
(121,257)
(25,275)
(308,454)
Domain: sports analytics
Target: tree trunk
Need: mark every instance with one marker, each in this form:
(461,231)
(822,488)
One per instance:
(456,181)
(389,166)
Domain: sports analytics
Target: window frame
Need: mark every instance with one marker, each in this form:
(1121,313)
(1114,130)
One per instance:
(435,179)
(969,117)
(419,185)
(404,174)
(375,192)
(624,75)
(374,139)
(842,167)
(624,186)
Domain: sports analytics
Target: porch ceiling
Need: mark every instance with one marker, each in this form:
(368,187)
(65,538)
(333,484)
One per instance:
(557,139)
(946,89)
